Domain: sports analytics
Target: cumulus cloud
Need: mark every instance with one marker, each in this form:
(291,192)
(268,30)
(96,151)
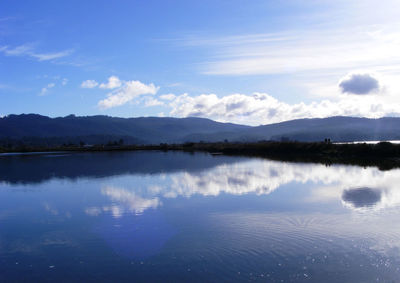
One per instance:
(126,93)
(89,84)
(262,108)
(123,92)
(359,84)
(46,88)
(113,82)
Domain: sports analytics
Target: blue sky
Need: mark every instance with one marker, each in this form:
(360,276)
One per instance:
(252,62)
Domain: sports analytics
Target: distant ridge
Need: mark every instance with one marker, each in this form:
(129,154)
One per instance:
(38,129)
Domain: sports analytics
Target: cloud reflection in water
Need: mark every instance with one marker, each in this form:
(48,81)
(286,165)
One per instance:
(375,189)
(123,201)
(361,197)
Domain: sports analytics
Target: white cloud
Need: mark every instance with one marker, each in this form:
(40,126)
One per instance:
(113,82)
(261,108)
(50,208)
(17,51)
(169,96)
(301,51)
(150,101)
(128,200)
(359,84)
(344,35)
(64,81)
(126,93)
(93,211)
(46,89)
(89,84)
(28,50)
(51,56)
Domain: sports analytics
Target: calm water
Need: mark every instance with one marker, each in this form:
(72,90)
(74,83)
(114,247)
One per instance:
(154,216)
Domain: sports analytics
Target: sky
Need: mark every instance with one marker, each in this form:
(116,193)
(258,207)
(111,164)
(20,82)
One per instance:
(249,62)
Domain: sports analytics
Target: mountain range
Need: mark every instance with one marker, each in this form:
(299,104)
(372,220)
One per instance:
(42,130)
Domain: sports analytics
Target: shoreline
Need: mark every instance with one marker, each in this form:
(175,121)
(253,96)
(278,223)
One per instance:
(384,155)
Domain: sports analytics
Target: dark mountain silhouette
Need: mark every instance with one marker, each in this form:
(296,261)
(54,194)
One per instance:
(100,129)
(42,130)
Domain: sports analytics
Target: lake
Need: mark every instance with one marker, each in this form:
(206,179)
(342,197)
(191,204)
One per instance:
(173,216)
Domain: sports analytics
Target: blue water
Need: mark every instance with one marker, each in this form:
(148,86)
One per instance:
(168,217)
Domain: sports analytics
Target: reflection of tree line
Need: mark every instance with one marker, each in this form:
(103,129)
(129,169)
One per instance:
(42,167)
(202,174)
(385,155)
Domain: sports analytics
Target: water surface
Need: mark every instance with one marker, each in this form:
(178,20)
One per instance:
(157,216)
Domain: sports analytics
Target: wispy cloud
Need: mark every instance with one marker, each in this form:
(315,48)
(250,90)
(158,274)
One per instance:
(64,81)
(301,51)
(150,102)
(169,96)
(45,89)
(57,80)
(338,36)
(29,51)
(5,19)
(89,84)
(51,56)
(3,86)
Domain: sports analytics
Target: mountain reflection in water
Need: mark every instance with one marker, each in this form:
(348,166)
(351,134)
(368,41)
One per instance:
(173,216)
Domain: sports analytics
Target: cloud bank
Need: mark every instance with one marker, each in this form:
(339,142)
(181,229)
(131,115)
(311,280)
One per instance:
(359,84)
(251,109)
(262,108)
